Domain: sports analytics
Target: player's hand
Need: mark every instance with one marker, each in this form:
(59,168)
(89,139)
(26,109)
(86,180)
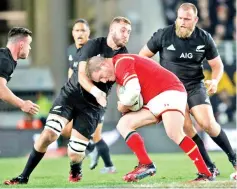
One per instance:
(30,107)
(121,108)
(101,99)
(211,86)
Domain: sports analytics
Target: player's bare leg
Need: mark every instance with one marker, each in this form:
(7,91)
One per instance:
(127,126)
(76,152)
(192,133)
(204,116)
(51,132)
(173,122)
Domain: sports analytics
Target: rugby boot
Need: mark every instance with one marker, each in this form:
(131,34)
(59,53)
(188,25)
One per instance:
(203,177)
(141,171)
(109,170)
(94,157)
(75,176)
(17,180)
(214,171)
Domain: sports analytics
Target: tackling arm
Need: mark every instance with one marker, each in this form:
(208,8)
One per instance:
(87,84)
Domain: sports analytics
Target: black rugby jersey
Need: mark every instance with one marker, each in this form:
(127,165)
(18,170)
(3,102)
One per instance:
(7,64)
(94,47)
(183,57)
(71,52)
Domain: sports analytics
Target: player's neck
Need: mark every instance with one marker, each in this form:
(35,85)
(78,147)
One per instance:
(111,43)
(14,51)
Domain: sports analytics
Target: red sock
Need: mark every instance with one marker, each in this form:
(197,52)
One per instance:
(136,144)
(191,149)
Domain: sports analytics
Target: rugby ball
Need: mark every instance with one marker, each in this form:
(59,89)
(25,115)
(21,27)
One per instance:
(138,104)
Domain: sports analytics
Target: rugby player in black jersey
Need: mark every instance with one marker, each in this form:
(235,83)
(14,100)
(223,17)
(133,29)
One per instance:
(81,33)
(75,103)
(182,48)
(18,47)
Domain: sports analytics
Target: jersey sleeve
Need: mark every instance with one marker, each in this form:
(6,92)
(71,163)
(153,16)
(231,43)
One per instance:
(211,51)
(88,50)
(154,44)
(5,69)
(124,70)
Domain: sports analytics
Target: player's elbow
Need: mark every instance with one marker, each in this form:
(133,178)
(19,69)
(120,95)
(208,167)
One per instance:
(2,92)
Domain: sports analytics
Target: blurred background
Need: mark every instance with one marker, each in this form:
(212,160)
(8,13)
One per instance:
(40,77)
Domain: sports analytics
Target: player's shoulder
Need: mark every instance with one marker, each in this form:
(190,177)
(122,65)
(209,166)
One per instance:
(71,48)
(98,40)
(201,33)
(4,55)
(166,30)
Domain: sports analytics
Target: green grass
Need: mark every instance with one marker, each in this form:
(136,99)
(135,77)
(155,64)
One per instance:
(173,171)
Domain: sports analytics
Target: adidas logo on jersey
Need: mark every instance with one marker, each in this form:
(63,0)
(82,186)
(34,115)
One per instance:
(199,48)
(171,48)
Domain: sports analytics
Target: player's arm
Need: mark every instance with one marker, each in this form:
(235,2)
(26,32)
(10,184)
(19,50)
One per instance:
(126,75)
(89,50)
(153,45)
(216,64)
(7,95)
(131,93)
(217,68)
(87,84)
(145,51)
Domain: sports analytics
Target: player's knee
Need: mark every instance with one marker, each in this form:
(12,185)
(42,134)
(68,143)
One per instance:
(125,124)
(46,138)
(77,146)
(55,124)
(207,124)
(175,135)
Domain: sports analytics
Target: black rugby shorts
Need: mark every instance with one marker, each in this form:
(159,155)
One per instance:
(197,95)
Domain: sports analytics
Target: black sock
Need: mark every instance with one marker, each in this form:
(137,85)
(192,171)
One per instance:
(75,166)
(90,147)
(222,141)
(202,150)
(32,162)
(103,151)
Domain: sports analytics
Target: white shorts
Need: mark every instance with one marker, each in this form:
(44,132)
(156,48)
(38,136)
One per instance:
(171,100)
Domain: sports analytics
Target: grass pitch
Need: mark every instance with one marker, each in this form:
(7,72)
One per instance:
(173,171)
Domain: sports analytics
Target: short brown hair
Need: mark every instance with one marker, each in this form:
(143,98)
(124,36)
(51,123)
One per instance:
(93,64)
(19,31)
(187,6)
(119,19)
